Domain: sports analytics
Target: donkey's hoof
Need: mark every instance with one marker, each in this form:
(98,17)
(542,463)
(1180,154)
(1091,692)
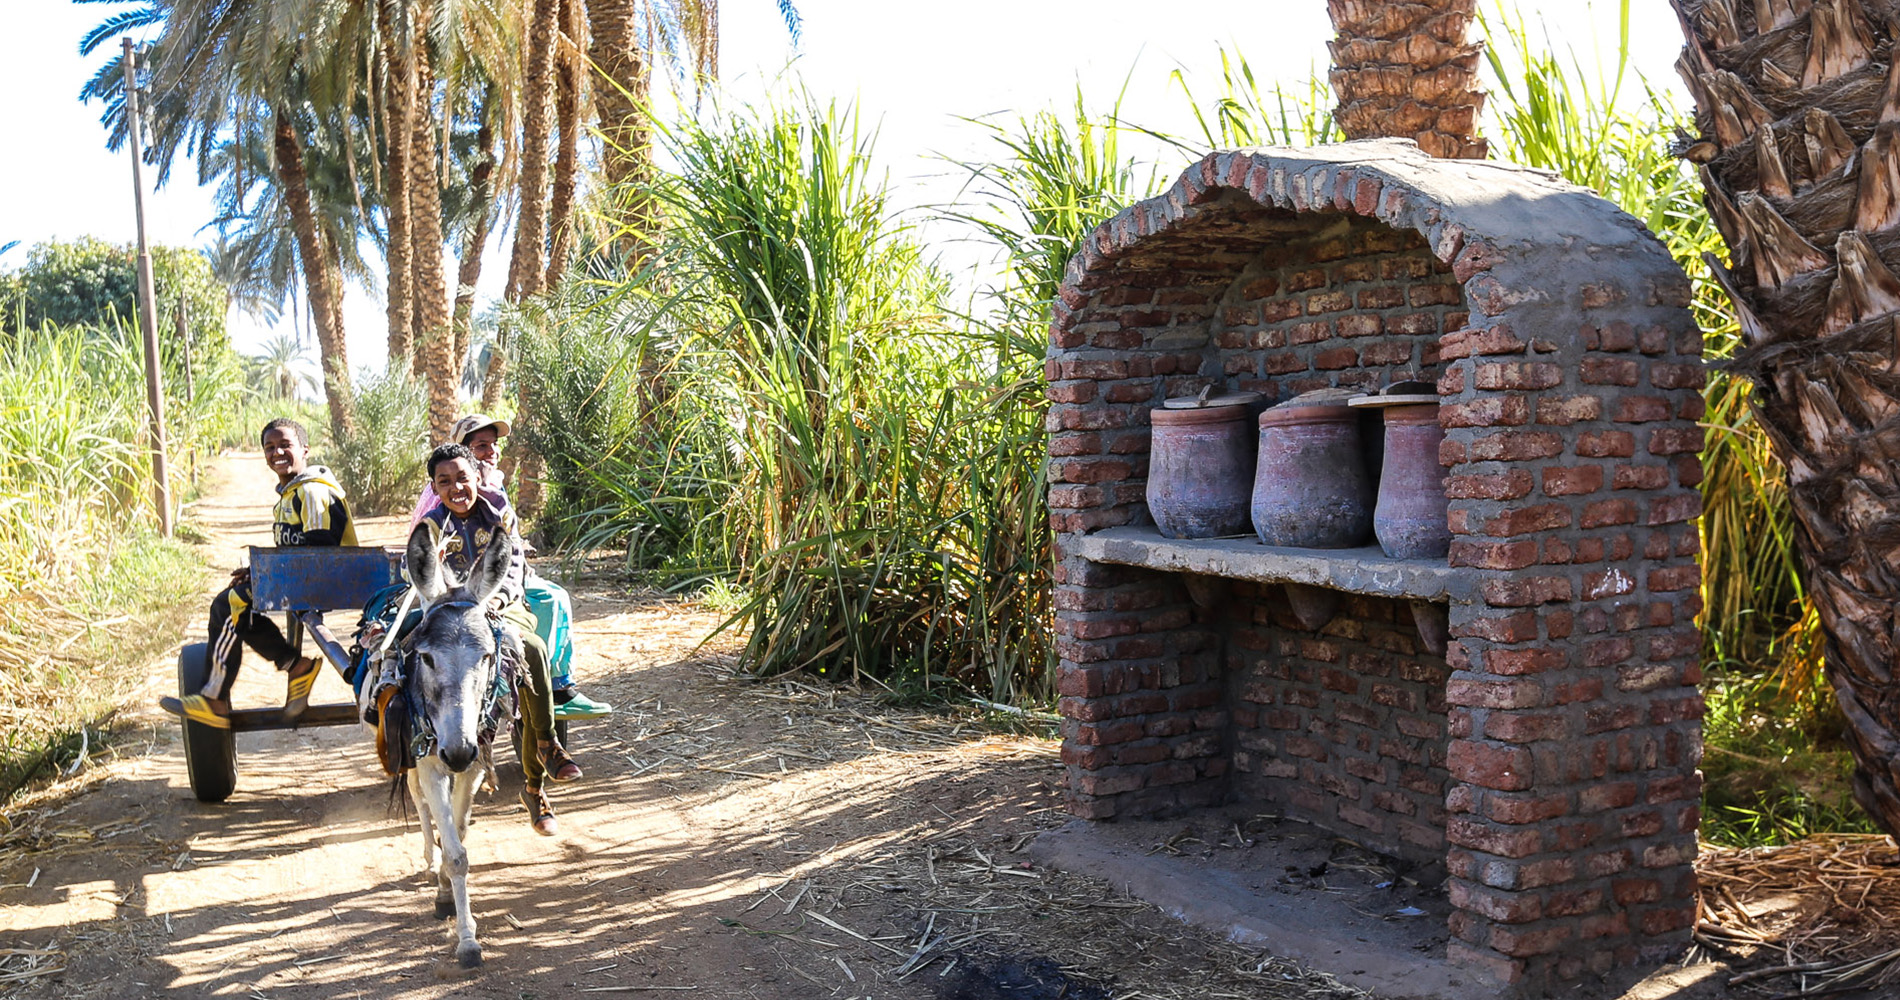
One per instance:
(469,954)
(444,909)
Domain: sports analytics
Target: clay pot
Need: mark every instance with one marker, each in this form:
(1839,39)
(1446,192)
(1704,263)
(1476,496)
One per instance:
(1410,518)
(1312,606)
(1310,488)
(1200,470)
(1433,622)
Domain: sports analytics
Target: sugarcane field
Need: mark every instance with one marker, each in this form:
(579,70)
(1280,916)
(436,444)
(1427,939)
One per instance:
(1324,500)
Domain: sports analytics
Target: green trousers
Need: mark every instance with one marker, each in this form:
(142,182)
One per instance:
(535,688)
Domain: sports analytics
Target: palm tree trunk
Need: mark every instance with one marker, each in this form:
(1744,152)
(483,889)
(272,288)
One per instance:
(399,109)
(620,99)
(525,267)
(325,304)
(434,336)
(496,378)
(1799,107)
(567,114)
(482,200)
(1405,69)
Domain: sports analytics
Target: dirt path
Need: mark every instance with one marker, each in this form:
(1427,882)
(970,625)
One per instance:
(732,838)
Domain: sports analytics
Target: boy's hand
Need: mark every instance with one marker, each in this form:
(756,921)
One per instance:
(240,576)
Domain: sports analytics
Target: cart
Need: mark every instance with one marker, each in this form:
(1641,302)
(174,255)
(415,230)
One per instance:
(304,583)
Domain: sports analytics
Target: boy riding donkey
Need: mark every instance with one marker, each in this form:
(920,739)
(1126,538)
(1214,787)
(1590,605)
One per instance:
(468,522)
(547,601)
(310,511)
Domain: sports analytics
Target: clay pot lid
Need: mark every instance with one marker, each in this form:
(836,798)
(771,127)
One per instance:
(1334,396)
(1207,401)
(1319,404)
(1410,392)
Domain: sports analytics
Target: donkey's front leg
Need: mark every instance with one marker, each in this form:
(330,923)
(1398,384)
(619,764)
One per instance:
(431,856)
(451,891)
(462,797)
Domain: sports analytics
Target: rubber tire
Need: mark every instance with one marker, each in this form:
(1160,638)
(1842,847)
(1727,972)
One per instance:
(210,754)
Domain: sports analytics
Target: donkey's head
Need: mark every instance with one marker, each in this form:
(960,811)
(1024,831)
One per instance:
(453,643)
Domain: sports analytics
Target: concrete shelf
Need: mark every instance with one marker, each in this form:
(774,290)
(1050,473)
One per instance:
(1355,571)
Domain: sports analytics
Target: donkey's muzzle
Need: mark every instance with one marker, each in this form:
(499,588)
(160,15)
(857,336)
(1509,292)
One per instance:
(457,759)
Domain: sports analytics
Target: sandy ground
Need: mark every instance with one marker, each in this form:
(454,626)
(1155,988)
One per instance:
(732,838)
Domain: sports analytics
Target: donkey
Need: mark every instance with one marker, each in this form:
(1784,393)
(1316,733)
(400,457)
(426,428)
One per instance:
(451,682)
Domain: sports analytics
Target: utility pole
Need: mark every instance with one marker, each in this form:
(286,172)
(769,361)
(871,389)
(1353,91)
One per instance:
(148,310)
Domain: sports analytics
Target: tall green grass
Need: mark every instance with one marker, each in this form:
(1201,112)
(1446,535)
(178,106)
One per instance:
(831,356)
(782,398)
(79,564)
(1054,178)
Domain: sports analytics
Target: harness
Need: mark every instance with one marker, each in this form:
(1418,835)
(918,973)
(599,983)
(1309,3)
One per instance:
(502,667)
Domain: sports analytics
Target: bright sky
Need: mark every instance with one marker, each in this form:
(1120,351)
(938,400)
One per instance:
(914,70)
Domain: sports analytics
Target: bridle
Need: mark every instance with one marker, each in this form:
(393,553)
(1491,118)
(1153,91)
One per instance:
(422,739)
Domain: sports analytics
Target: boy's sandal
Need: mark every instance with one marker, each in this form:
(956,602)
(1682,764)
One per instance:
(297,696)
(195,708)
(558,765)
(579,706)
(540,812)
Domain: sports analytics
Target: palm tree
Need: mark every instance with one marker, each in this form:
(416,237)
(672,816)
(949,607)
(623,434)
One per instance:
(398,116)
(434,333)
(1798,106)
(1407,70)
(478,217)
(282,368)
(625,39)
(255,255)
(620,97)
(234,66)
(526,264)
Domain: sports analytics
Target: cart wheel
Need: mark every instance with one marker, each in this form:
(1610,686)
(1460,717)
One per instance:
(210,754)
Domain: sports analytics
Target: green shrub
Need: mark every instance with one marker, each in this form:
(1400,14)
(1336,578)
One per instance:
(381,465)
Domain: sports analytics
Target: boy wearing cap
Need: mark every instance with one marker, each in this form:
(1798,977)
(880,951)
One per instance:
(547,601)
(310,510)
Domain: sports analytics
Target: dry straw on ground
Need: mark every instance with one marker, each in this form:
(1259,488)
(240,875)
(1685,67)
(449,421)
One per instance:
(968,897)
(1813,918)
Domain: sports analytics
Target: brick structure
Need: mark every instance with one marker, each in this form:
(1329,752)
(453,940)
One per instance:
(1548,756)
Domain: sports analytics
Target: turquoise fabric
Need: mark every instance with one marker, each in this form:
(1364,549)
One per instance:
(554,623)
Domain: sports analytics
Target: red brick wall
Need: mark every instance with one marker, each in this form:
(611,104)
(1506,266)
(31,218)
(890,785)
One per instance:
(1142,696)
(1358,308)
(1345,726)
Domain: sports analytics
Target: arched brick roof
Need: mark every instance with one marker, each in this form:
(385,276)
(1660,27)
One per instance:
(1522,241)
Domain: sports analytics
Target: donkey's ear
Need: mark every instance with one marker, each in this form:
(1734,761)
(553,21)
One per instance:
(492,571)
(423,566)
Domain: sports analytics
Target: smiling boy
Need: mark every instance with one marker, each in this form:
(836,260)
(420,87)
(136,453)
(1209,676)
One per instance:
(310,510)
(467,523)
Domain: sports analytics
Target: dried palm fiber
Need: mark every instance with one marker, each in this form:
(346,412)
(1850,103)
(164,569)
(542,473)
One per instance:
(1797,103)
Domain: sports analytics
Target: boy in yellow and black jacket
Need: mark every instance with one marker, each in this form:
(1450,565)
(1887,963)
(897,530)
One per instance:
(311,509)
